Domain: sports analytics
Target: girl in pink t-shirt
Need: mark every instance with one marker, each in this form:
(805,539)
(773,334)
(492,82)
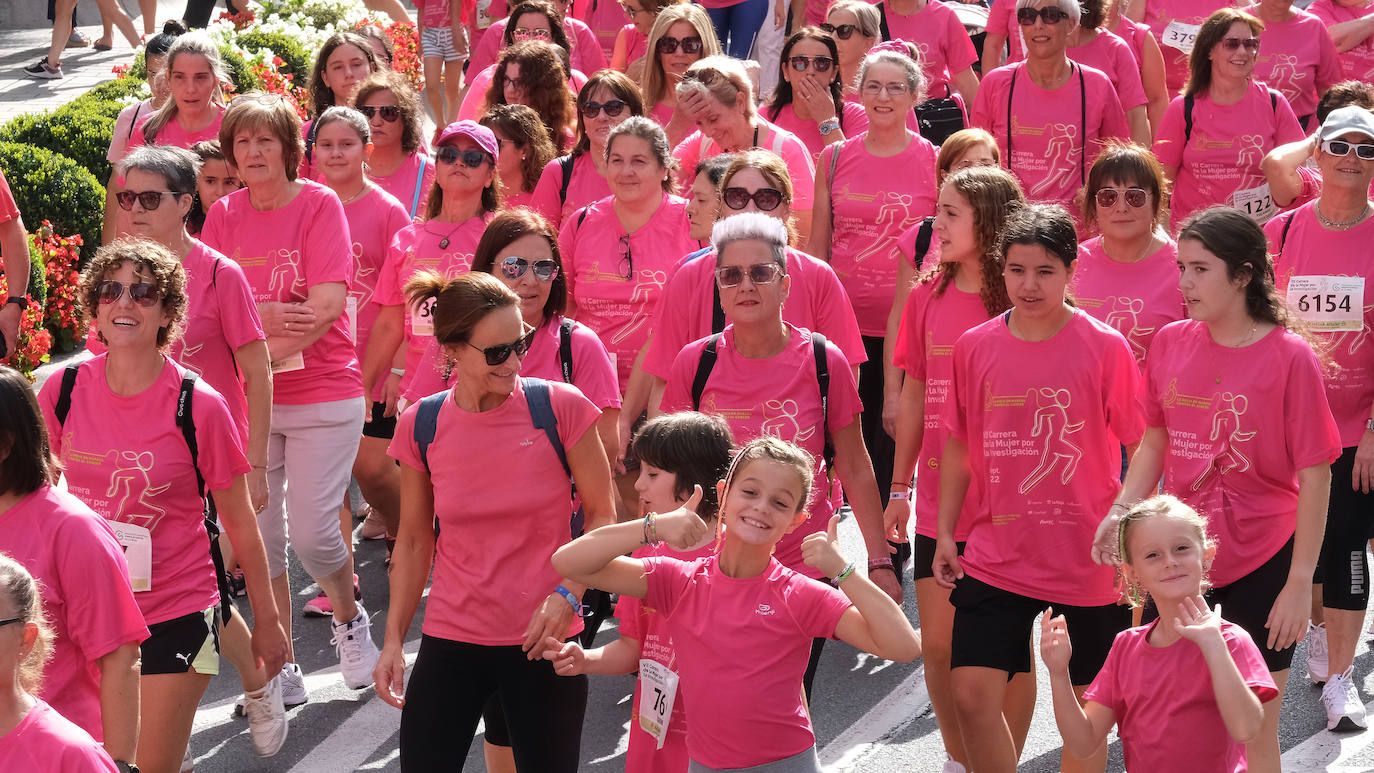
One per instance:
(809,100)
(344,61)
(1216,679)
(524,149)
(1298,58)
(398,163)
(747,709)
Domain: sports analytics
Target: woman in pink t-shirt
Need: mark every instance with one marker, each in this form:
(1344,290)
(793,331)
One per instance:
(155,61)
(1348,23)
(1212,153)
(1101,49)
(1147,56)
(531,74)
(398,163)
(809,100)
(1298,59)
(629,54)
(681,36)
(963,291)
(1239,425)
(741,600)
(488,535)
(524,22)
(114,422)
(947,53)
(856,26)
(1175,25)
(343,63)
(524,149)
(1039,399)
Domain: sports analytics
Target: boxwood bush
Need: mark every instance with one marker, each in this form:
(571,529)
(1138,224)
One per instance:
(297,61)
(50,186)
(78,135)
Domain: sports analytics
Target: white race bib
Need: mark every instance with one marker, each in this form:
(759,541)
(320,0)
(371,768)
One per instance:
(351,309)
(1180,36)
(1256,202)
(1328,303)
(138,553)
(484,19)
(657,690)
(289,363)
(422,318)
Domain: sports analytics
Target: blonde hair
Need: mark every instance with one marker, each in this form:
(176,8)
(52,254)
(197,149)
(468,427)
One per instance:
(655,80)
(721,77)
(196,44)
(1167,507)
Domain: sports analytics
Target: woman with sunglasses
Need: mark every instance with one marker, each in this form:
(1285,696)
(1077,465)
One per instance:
(1292,181)
(533,74)
(125,456)
(495,595)
(1174,24)
(571,182)
(947,53)
(809,101)
(1299,58)
(291,238)
(524,150)
(856,27)
(1212,153)
(398,162)
(1091,44)
(345,60)
(1315,247)
(539,20)
(681,36)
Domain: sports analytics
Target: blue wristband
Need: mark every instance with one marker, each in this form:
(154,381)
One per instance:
(567,594)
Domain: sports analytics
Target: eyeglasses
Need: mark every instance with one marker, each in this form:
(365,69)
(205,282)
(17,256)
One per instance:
(540,33)
(389,113)
(766,199)
(1135,197)
(448,154)
(1343,148)
(843,32)
(690,45)
(1049,14)
(1231,44)
(627,258)
(821,63)
(149,200)
(143,293)
(631,10)
(495,355)
(613,108)
(893,89)
(759,274)
(501,143)
(544,270)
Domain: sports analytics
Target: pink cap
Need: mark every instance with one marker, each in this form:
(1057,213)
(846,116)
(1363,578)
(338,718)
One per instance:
(473,131)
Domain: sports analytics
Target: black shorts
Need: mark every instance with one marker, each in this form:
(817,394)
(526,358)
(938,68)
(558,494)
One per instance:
(379,425)
(1342,567)
(992,629)
(183,643)
(925,556)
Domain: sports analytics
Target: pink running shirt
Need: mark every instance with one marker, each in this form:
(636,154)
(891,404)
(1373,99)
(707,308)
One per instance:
(781,142)
(945,47)
(1138,299)
(1298,58)
(410,183)
(1356,63)
(172,133)
(853,119)
(47,742)
(1175,23)
(373,222)
(585,186)
(1113,56)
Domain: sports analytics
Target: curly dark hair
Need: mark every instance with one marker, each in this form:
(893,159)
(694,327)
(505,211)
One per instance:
(994,195)
(412,131)
(521,125)
(150,259)
(544,81)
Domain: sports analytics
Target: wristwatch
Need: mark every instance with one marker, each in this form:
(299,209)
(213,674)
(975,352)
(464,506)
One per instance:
(828,126)
(19,300)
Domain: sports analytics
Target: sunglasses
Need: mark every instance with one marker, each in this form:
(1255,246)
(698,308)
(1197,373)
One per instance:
(766,199)
(389,113)
(1135,197)
(820,63)
(495,355)
(690,45)
(544,270)
(759,274)
(1231,44)
(1049,15)
(1343,148)
(448,154)
(843,32)
(613,108)
(538,34)
(149,200)
(143,293)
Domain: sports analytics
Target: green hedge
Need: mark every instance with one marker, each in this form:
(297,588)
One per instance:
(38,283)
(80,136)
(297,60)
(240,74)
(48,185)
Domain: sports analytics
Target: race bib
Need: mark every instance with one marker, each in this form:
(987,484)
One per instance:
(422,318)
(289,363)
(657,690)
(351,309)
(1328,304)
(1256,202)
(138,553)
(1180,36)
(484,19)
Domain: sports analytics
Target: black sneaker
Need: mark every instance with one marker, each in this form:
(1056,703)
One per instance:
(41,69)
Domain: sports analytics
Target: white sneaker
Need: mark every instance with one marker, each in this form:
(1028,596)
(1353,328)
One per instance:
(1344,709)
(357,654)
(951,766)
(188,763)
(267,718)
(292,686)
(1316,653)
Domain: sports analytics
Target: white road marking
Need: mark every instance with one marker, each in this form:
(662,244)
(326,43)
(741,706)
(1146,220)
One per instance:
(896,710)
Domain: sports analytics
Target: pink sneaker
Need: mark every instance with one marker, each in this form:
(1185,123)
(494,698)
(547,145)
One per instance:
(320,606)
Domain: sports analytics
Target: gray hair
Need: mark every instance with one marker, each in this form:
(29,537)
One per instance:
(868,16)
(355,120)
(179,167)
(915,78)
(1070,7)
(752,226)
(648,130)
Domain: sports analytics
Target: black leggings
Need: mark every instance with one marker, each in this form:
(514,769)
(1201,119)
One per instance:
(1342,568)
(881,448)
(452,681)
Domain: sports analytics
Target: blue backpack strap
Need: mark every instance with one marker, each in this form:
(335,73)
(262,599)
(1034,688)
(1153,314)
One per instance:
(426,422)
(419,180)
(541,411)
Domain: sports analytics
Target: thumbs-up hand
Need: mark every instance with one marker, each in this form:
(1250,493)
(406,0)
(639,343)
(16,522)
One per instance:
(682,528)
(822,549)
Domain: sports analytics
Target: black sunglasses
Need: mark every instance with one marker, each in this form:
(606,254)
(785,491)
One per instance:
(843,32)
(690,45)
(1049,15)
(495,355)
(149,200)
(143,293)
(1135,197)
(820,63)
(613,108)
(759,274)
(389,113)
(767,199)
(448,154)
(544,270)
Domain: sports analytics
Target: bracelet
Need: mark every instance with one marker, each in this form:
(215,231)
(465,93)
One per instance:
(881,563)
(573,600)
(904,495)
(845,575)
(650,532)
(398,372)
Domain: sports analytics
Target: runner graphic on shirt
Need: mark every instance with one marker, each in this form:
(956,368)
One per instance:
(780,421)
(1125,317)
(1356,338)
(1053,428)
(649,281)
(1226,428)
(187,354)
(894,216)
(1061,155)
(131,476)
(1286,77)
(1248,161)
(286,274)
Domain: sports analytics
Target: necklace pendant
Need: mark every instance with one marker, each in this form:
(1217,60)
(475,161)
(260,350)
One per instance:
(443,243)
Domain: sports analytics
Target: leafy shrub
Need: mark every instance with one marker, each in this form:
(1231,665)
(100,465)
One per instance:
(50,186)
(241,73)
(296,61)
(78,135)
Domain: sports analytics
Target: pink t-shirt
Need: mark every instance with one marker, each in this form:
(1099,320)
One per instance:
(597,257)
(1113,56)
(776,396)
(1174,23)
(44,741)
(497,530)
(1138,299)
(475,103)
(373,222)
(815,301)
(1312,251)
(172,133)
(585,186)
(603,21)
(1298,58)
(73,555)
(1046,133)
(434,13)
(283,253)
(1358,62)
(945,47)
(854,121)
(1178,728)
(417,168)
(663,113)
(8,209)
(1042,420)
(1002,21)
(637,44)
(1241,423)
(868,214)
(125,457)
(1134,33)
(1223,155)
(592,373)
(769,136)
(586,54)
(924,349)
(747,709)
(123,133)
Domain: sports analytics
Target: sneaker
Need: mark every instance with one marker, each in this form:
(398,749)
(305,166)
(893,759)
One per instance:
(951,766)
(188,763)
(1344,709)
(292,686)
(321,606)
(78,39)
(357,654)
(237,584)
(41,69)
(1316,653)
(372,527)
(267,718)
